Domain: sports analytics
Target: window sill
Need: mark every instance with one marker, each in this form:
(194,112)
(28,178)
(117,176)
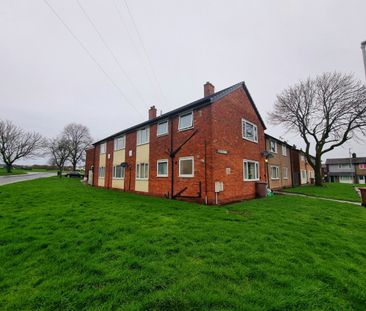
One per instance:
(115,150)
(161,135)
(251,179)
(186,176)
(186,129)
(275,178)
(253,141)
(142,144)
(163,176)
(142,179)
(118,178)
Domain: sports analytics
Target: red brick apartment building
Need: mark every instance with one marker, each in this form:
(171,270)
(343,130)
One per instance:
(210,151)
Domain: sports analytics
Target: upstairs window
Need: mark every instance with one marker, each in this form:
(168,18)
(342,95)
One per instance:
(284,150)
(119,143)
(162,128)
(143,136)
(103,148)
(344,165)
(250,131)
(142,171)
(185,121)
(251,170)
(285,173)
(272,146)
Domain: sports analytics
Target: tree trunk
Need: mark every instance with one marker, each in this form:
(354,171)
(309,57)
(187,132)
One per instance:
(317,171)
(8,168)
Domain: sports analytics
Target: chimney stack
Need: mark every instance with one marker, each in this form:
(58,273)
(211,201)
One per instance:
(208,89)
(152,113)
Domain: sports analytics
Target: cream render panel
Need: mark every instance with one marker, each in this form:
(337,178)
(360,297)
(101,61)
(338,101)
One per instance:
(142,156)
(102,163)
(119,156)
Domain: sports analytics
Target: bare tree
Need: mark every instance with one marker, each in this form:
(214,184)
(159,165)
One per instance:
(16,144)
(79,138)
(326,111)
(59,150)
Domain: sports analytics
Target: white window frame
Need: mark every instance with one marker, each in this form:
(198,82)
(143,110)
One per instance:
(138,136)
(103,148)
(243,131)
(285,169)
(114,171)
(275,146)
(167,168)
(277,169)
(344,165)
(167,128)
(256,163)
(123,143)
(185,159)
(101,168)
(138,171)
(187,127)
(284,150)
(302,174)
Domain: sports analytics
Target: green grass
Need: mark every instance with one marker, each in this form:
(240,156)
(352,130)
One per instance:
(14,171)
(66,246)
(329,190)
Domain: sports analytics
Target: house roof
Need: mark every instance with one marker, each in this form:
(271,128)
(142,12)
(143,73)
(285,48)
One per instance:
(193,105)
(360,160)
(278,140)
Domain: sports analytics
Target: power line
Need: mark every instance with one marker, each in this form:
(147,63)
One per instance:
(90,55)
(109,49)
(145,51)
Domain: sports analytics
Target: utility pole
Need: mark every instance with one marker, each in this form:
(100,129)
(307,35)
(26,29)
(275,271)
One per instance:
(363,48)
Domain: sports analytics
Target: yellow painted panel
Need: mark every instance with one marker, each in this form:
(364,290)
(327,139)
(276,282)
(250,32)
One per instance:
(142,153)
(101,182)
(102,160)
(118,183)
(119,157)
(142,185)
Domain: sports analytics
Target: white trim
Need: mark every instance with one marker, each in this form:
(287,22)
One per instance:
(188,127)
(275,146)
(123,137)
(101,167)
(284,148)
(255,138)
(167,128)
(278,172)
(148,169)
(114,170)
(104,145)
(167,167)
(184,159)
(257,172)
(283,175)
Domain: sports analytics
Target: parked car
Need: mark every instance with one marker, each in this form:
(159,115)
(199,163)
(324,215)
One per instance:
(74,175)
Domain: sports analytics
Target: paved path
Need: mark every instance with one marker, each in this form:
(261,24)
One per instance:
(10,179)
(314,197)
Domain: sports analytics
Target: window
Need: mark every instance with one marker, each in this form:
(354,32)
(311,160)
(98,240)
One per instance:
(285,173)
(143,136)
(302,158)
(250,131)
(162,128)
(162,168)
(118,172)
(142,171)
(119,143)
(344,165)
(103,148)
(185,121)
(284,150)
(303,174)
(251,170)
(362,166)
(272,146)
(186,167)
(101,172)
(275,172)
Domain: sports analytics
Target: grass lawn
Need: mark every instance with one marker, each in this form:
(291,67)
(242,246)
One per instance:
(66,246)
(329,190)
(14,171)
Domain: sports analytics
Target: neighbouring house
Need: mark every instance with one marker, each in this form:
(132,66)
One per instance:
(347,170)
(302,171)
(211,150)
(278,163)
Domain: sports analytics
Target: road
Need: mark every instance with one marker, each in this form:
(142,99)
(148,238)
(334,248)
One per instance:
(10,179)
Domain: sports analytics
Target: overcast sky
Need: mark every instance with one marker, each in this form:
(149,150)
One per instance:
(48,80)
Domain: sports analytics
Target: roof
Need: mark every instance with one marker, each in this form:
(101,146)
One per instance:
(278,140)
(193,105)
(360,160)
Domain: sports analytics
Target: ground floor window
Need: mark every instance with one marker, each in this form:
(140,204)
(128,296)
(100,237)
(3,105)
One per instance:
(162,168)
(186,167)
(118,172)
(101,172)
(346,179)
(142,171)
(251,170)
(303,174)
(275,172)
(285,173)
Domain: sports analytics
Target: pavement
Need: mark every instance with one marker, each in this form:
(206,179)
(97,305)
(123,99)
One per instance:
(10,179)
(314,197)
